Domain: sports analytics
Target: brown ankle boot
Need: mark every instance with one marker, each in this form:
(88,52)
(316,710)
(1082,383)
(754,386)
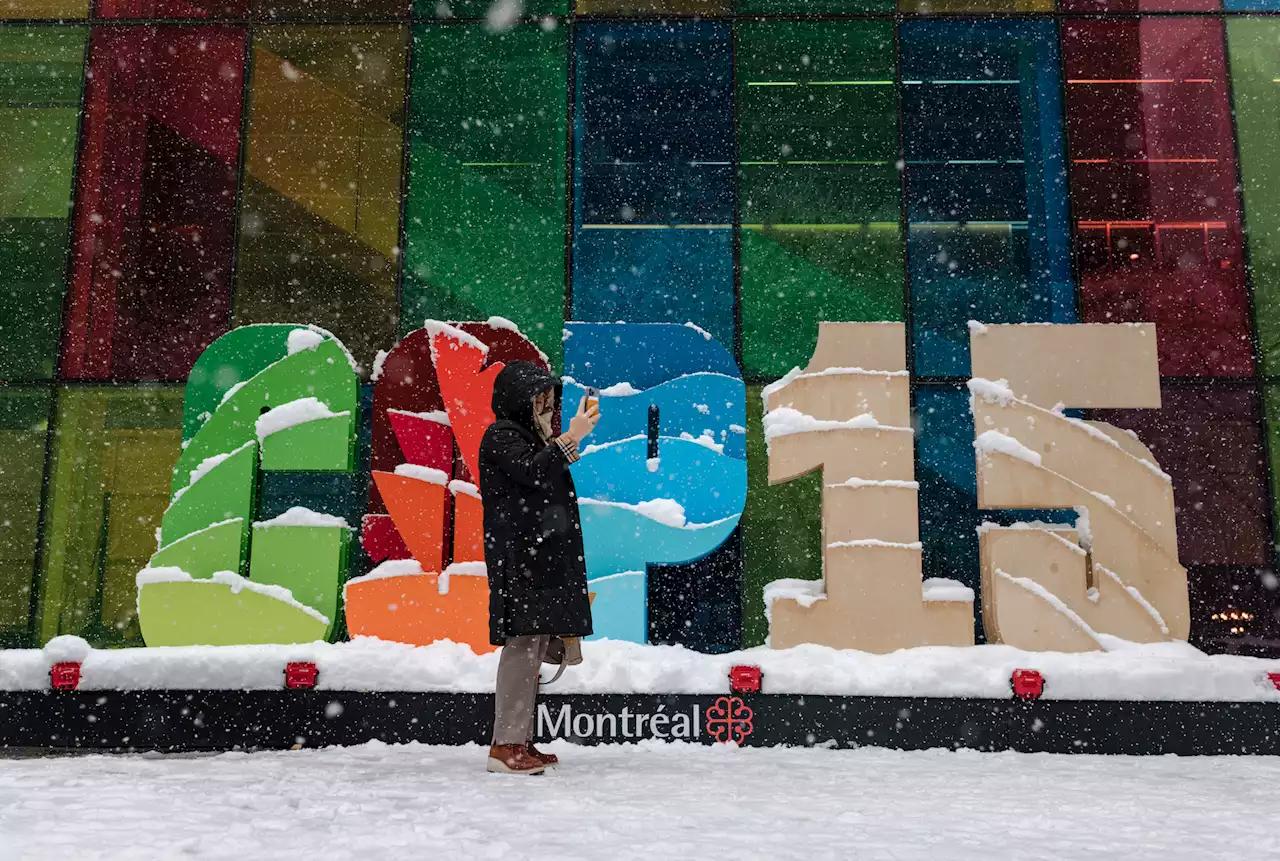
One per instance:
(547,758)
(514,759)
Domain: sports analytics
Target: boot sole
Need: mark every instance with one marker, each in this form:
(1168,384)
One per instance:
(497,766)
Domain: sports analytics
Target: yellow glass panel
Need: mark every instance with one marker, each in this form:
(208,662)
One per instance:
(43,9)
(23,431)
(321,199)
(112,464)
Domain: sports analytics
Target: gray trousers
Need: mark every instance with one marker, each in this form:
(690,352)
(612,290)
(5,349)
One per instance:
(517,688)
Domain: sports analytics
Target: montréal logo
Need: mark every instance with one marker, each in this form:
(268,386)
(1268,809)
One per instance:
(727,719)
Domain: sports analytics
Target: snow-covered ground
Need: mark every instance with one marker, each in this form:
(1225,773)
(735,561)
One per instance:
(652,801)
(1160,671)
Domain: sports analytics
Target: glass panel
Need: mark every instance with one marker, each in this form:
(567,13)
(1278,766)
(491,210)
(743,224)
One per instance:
(320,215)
(109,485)
(654,7)
(330,10)
(37,9)
(986,206)
(811,7)
(151,280)
(818,184)
(172,9)
(1255,80)
(492,10)
(41,69)
(1094,6)
(781,527)
(1209,440)
(951,7)
(24,425)
(1250,6)
(653,143)
(1272,404)
(485,213)
(1251,595)
(1153,180)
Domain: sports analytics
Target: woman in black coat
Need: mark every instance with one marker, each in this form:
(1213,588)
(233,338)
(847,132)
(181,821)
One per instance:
(532,550)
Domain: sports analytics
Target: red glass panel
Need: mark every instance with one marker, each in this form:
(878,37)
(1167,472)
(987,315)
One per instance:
(1210,442)
(184,9)
(1153,178)
(156,201)
(1091,6)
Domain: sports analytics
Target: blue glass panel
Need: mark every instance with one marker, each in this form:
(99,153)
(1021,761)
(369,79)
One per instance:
(947,473)
(653,174)
(1251,5)
(986,185)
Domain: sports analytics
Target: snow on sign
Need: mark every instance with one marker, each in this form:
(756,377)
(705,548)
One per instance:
(663,482)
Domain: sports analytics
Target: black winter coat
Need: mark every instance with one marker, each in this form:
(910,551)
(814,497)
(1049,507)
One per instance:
(532,532)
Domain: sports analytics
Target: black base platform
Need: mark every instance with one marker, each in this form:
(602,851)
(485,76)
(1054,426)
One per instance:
(248,720)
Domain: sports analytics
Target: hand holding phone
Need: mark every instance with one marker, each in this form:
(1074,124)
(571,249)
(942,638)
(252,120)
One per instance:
(588,414)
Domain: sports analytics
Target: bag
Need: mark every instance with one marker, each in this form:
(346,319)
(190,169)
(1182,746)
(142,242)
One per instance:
(563,652)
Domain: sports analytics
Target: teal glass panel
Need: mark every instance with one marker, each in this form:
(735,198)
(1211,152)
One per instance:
(986,194)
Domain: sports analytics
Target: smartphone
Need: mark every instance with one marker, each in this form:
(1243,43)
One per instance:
(593,397)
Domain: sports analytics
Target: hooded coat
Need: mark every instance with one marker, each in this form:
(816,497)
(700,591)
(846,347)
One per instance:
(532,532)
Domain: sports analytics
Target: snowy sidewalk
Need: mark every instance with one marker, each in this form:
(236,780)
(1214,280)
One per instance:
(653,802)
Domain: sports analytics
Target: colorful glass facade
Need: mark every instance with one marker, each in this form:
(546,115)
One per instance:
(170,169)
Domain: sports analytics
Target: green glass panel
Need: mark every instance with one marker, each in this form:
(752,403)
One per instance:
(1254,44)
(485,215)
(113,459)
(41,69)
(781,527)
(1271,404)
(24,424)
(320,206)
(654,7)
(818,184)
(445,9)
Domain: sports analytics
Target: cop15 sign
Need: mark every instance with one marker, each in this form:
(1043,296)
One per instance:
(663,482)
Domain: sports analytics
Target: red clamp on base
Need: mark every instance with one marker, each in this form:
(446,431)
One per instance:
(65,675)
(1027,684)
(745,679)
(300,675)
